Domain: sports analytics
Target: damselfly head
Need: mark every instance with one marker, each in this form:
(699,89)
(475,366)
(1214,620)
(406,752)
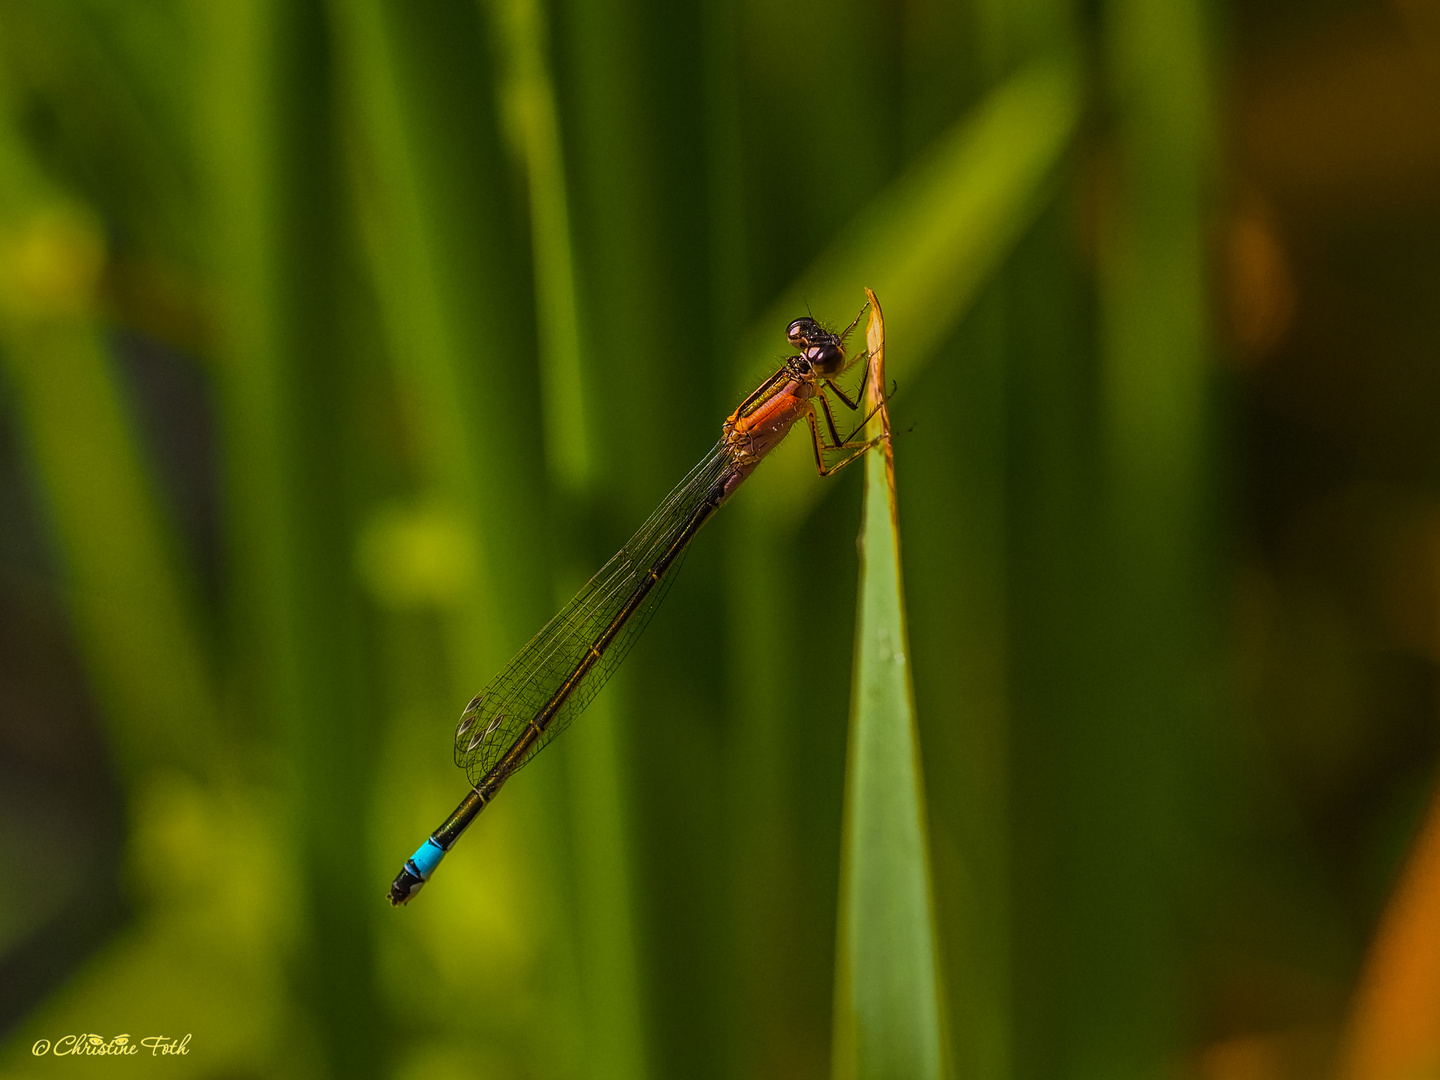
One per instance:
(804,332)
(818,346)
(826,358)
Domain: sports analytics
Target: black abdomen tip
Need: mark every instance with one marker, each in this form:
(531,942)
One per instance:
(404,888)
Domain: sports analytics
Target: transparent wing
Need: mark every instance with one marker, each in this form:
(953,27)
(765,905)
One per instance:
(499,715)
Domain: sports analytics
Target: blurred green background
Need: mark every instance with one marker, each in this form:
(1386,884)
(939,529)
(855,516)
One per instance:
(340,342)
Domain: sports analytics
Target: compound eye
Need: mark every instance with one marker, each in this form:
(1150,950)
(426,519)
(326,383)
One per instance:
(827,359)
(800,331)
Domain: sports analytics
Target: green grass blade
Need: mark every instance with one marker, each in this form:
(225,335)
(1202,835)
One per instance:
(295,482)
(929,242)
(478,365)
(133,611)
(1132,776)
(451,281)
(591,757)
(532,126)
(887,993)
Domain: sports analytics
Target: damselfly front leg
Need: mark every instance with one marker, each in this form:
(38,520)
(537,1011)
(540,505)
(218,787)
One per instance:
(855,451)
(846,443)
(835,439)
(859,390)
(856,321)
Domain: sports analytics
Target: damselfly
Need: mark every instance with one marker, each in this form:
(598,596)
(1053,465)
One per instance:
(555,676)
